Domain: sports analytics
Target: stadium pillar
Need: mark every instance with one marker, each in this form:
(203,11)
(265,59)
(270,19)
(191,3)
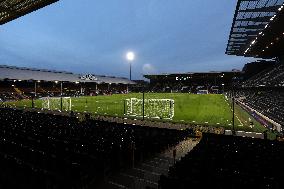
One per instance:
(33,105)
(61,103)
(130,71)
(81,89)
(233,101)
(234,79)
(124,107)
(143,105)
(35,89)
(233,109)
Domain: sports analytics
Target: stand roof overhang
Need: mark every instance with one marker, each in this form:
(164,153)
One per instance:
(256,24)
(13,9)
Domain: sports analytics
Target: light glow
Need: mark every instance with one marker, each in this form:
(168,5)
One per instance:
(130,56)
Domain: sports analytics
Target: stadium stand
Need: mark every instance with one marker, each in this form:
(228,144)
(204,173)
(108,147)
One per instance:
(192,82)
(257,31)
(269,103)
(221,161)
(272,77)
(253,68)
(263,93)
(27,74)
(19,83)
(46,149)
(54,151)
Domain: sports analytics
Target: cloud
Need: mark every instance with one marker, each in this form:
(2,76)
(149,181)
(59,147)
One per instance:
(148,69)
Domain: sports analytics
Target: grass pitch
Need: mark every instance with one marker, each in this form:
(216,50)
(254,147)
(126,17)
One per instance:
(189,108)
(209,109)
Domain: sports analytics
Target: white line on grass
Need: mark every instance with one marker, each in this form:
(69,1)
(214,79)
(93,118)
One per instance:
(239,120)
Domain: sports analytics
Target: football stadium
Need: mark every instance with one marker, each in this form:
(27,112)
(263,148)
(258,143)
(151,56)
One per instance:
(83,130)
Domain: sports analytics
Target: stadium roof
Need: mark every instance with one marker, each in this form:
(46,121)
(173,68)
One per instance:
(196,73)
(19,73)
(252,20)
(271,43)
(13,9)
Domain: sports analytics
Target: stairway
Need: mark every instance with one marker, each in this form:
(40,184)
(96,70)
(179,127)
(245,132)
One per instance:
(147,173)
(20,93)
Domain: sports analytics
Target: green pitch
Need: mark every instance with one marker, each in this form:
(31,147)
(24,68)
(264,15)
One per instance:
(208,109)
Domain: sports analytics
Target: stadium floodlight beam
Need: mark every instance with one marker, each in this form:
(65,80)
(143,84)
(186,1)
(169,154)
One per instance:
(130,56)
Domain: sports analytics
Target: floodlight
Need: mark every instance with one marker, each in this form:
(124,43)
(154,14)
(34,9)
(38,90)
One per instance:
(130,56)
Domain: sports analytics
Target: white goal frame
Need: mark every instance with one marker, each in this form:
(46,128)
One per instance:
(153,108)
(54,103)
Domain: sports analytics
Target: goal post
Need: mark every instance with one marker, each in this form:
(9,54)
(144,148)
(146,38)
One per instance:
(153,108)
(54,103)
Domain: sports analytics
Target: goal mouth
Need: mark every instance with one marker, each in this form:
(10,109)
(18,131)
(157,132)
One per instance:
(153,108)
(57,103)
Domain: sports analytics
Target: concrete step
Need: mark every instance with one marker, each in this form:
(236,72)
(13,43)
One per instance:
(140,183)
(122,181)
(110,185)
(147,174)
(164,165)
(152,168)
(144,174)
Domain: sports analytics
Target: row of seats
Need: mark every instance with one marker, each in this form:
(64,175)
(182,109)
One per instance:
(221,161)
(270,103)
(272,77)
(54,151)
(182,87)
(6,96)
(193,128)
(15,90)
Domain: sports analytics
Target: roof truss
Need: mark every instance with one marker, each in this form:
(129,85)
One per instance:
(250,19)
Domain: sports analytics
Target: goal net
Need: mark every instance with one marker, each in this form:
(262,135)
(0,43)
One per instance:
(54,103)
(153,108)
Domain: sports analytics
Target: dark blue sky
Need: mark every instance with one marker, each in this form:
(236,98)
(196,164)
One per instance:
(92,36)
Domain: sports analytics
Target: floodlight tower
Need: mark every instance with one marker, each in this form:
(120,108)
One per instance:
(130,56)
